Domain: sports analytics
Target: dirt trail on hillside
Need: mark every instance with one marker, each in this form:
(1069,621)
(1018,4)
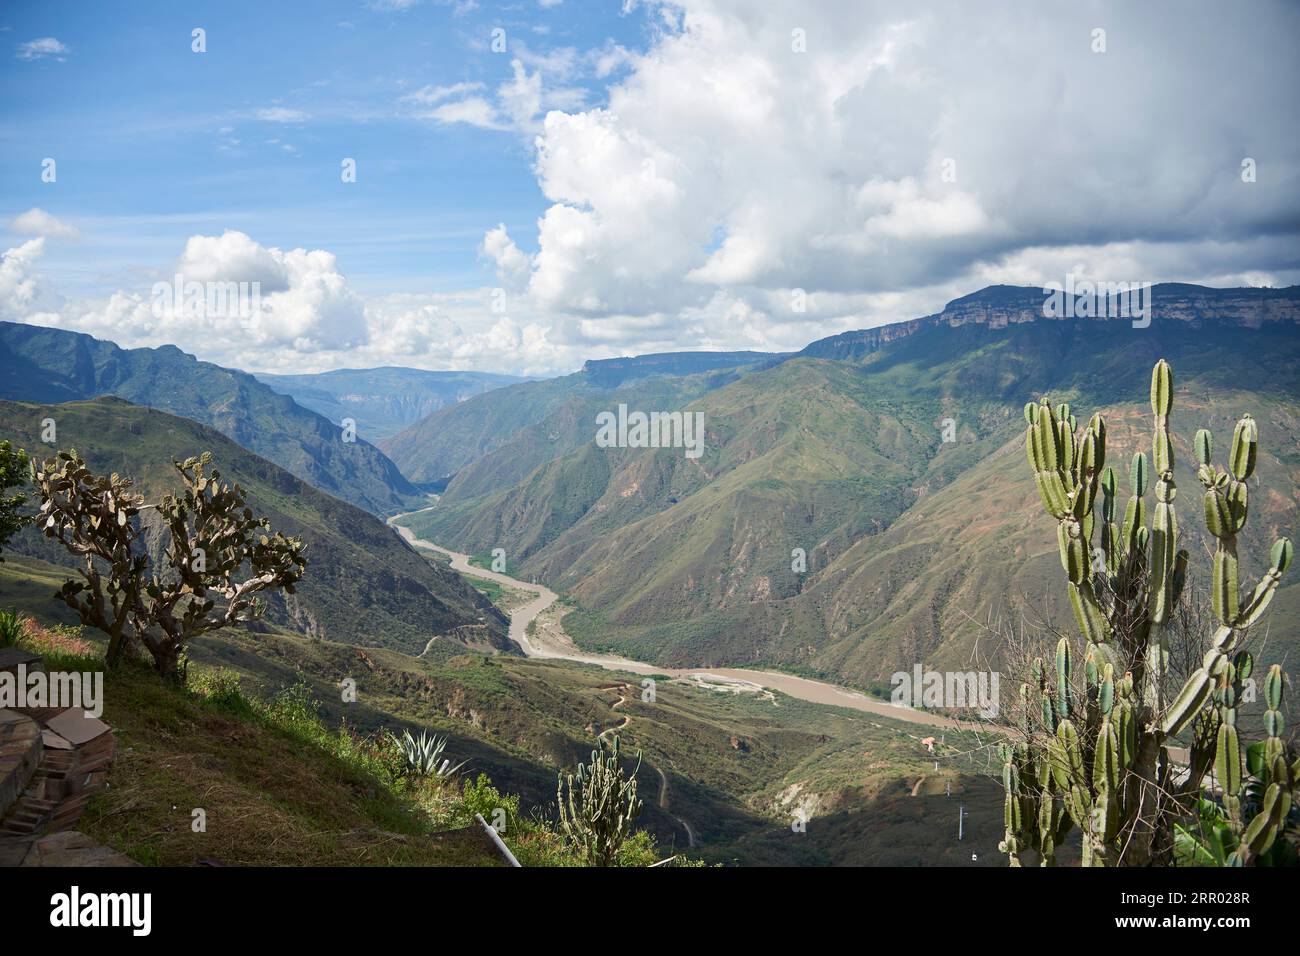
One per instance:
(627,718)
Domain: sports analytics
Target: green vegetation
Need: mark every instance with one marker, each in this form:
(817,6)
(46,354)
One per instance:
(279,784)
(12,625)
(216,550)
(495,440)
(1102,761)
(13,474)
(597,814)
(423,755)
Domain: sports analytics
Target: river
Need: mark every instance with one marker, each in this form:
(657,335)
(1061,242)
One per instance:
(554,644)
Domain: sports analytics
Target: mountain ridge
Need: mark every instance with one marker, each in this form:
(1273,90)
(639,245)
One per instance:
(44,364)
(384,400)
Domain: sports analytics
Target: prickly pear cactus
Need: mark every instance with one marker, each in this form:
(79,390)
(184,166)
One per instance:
(1103,760)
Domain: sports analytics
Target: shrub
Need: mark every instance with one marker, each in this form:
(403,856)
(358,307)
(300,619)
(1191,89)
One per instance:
(12,627)
(221,688)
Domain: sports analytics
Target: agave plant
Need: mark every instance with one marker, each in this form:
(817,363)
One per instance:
(424,755)
(12,625)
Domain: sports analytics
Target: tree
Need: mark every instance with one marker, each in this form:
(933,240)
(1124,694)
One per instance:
(601,805)
(1097,753)
(218,556)
(13,474)
(95,518)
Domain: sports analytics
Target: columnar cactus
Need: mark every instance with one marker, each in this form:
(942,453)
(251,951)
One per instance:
(1102,760)
(601,804)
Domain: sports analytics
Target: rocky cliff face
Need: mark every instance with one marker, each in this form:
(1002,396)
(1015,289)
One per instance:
(1001,306)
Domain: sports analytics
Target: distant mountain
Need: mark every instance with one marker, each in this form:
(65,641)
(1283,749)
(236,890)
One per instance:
(364,585)
(611,373)
(40,364)
(999,306)
(510,431)
(911,543)
(383,401)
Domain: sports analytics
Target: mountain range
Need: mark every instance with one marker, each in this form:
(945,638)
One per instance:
(913,544)
(46,365)
(383,401)
(860,505)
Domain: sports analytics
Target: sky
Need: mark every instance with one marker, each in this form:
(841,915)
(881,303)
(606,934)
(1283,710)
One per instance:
(539,183)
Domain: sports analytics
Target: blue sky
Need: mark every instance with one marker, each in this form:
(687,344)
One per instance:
(627,176)
(155,142)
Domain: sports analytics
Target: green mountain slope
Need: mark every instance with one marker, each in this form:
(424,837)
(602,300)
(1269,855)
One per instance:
(909,540)
(364,584)
(52,365)
(383,401)
(494,440)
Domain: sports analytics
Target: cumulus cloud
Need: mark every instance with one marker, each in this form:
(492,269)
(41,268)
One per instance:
(300,315)
(39,49)
(38,222)
(512,265)
(885,161)
(20,293)
(228,298)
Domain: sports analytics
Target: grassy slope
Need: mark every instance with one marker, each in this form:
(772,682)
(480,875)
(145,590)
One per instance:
(271,798)
(364,585)
(52,365)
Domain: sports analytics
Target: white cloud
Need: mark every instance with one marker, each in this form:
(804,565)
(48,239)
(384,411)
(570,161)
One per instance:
(20,294)
(513,266)
(305,316)
(725,167)
(429,95)
(473,111)
(38,222)
(39,49)
(894,165)
(518,103)
(280,114)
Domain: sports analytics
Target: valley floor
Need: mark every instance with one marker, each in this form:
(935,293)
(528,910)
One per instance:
(538,630)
